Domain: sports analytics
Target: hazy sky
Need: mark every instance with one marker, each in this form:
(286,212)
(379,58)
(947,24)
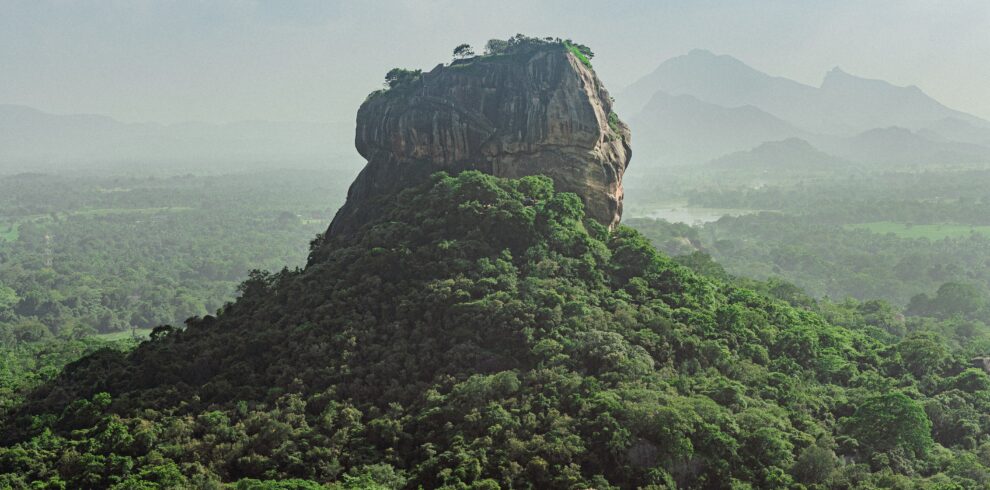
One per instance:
(312,60)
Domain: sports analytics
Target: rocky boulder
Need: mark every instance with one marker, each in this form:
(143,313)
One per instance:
(534,111)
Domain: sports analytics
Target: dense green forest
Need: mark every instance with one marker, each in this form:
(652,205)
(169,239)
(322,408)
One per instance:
(737,246)
(481,333)
(882,234)
(110,254)
(89,264)
(89,260)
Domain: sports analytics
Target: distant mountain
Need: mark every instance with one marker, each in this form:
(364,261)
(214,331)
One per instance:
(685,130)
(901,146)
(843,105)
(721,80)
(30,138)
(791,153)
(861,103)
(959,130)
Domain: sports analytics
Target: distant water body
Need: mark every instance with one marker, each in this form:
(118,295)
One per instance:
(679,213)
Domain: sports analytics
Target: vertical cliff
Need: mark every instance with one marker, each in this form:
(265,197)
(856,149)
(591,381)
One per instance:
(536,110)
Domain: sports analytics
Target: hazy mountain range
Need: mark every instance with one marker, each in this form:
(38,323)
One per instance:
(787,154)
(692,109)
(701,106)
(30,138)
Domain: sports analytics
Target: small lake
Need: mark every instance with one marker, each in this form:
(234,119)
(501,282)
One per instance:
(680,213)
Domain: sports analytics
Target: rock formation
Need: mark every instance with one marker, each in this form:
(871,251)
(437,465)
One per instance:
(538,110)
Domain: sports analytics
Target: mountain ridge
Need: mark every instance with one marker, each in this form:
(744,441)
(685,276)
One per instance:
(677,125)
(834,114)
(787,154)
(29,136)
(727,81)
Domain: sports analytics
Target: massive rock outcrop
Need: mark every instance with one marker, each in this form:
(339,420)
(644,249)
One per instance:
(538,110)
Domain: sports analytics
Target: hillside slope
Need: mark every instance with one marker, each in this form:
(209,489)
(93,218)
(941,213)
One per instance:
(483,333)
(900,146)
(783,155)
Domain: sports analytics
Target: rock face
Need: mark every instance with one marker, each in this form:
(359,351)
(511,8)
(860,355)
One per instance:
(541,111)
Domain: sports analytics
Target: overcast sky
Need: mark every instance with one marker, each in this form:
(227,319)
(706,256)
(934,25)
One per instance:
(310,60)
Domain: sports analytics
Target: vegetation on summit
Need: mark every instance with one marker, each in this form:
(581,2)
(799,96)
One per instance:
(464,53)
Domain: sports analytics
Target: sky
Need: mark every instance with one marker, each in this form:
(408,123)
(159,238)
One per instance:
(307,60)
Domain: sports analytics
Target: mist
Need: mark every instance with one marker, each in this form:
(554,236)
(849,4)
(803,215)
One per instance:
(317,245)
(315,61)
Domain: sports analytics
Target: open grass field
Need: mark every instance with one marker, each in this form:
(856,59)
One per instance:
(109,211)
(931,232)
(124,334)
(8,232)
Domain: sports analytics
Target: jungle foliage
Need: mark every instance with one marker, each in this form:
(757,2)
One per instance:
(482,333)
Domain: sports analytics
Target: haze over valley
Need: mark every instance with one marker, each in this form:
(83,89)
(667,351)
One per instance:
(396,245)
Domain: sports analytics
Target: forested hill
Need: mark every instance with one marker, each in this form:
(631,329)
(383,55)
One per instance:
(483,333)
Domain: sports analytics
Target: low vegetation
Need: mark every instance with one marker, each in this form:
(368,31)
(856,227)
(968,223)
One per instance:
(932,232)
(463,55)
(581,52)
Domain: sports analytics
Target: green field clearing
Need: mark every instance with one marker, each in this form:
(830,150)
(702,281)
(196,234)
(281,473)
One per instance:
(931,232)
(108,211)
(124,334)
(8,232)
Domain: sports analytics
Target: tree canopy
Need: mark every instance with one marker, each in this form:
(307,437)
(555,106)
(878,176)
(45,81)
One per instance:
(482,333)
